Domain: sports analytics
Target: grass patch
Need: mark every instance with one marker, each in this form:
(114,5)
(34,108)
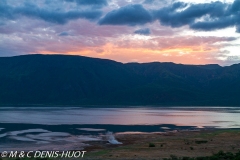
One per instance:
(219,156)
(151,145)
(201,141)
(99,153)
(217,132)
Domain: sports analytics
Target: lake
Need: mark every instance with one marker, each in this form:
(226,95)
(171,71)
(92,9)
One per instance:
(67,128)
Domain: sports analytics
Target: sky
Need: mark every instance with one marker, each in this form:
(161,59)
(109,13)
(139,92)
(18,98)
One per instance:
(186,31)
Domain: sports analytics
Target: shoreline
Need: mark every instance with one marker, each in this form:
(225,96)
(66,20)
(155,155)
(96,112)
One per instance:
(164,145)
(200,143)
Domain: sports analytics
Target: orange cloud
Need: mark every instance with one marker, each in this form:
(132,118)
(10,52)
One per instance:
(186,55)
(186,50)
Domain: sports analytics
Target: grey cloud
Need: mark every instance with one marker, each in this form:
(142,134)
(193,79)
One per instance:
(236,6)
(231,38)
(2,24)
(145,31)
(128,15)
(92,3)
(238,29)
(64,34)
(214,15)
(157,1)
(53,16)
(172,17)
(213,25)
(148,1)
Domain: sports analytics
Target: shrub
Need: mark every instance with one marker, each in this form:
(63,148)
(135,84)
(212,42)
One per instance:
(151,145)
(201,141)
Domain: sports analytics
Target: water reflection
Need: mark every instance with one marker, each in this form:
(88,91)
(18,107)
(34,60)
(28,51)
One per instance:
(223,117)
(68,128)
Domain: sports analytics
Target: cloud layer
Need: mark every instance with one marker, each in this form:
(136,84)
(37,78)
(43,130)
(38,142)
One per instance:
(95,3)
(144,31)
(54,16)
(137,30)
(204,16)
(128,15)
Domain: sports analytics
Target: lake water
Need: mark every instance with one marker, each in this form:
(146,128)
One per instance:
(67,128)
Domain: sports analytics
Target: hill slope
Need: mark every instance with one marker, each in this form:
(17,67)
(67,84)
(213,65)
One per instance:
(77,80)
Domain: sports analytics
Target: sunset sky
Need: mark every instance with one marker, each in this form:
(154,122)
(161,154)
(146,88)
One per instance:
(187,31)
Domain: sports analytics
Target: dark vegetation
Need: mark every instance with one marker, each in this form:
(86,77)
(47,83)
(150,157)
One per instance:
(219,156)
(151,145)
(76,80)
(201,141)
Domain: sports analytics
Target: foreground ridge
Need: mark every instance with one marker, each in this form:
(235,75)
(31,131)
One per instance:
(78,80)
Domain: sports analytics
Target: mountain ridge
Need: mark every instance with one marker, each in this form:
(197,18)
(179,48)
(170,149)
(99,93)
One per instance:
(79,80)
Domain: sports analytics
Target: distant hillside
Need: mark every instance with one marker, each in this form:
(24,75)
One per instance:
(77,80)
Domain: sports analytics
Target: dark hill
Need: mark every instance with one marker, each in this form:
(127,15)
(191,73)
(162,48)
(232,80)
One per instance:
(77,80)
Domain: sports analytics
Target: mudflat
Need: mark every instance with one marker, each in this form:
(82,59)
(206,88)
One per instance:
(166,144)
